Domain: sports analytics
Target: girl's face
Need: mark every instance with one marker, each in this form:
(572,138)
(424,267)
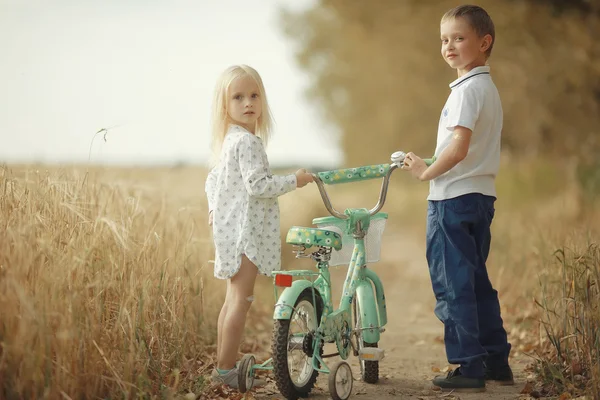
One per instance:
(462,48)
(244,105)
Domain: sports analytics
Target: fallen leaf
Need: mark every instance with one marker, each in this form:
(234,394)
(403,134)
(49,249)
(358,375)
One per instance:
(528,388)
(435,369)
(576,368)
(535,394)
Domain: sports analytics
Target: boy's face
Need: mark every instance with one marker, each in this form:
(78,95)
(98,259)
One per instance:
(462,48)
(244,104)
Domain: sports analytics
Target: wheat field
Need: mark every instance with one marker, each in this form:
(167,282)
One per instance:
(102,282)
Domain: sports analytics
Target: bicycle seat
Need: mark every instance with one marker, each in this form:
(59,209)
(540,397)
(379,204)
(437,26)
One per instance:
(314,237)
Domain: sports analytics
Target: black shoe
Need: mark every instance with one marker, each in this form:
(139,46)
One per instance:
(457,382)
(502,375)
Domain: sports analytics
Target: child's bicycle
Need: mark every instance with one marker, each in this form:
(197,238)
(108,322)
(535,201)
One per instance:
(304,316)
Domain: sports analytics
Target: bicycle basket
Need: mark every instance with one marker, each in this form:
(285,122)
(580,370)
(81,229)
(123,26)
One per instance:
(372,238)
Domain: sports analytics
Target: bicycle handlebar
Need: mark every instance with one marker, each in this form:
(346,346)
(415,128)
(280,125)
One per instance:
(346,175)
(388,168)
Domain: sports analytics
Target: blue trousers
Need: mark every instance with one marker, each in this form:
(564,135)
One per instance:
(458,244)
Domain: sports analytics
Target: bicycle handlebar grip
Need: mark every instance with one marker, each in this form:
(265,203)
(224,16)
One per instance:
(346,175)
(429,161)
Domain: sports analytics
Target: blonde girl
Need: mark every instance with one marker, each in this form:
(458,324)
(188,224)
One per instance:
(242,200)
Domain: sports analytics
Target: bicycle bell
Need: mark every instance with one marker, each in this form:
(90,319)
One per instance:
(398,157)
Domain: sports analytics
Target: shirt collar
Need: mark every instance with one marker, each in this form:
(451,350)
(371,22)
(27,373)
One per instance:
(239,128)
(236,128)
(475,71)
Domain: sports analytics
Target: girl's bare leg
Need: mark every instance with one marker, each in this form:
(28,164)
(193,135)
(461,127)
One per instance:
(221,320)
(239,299)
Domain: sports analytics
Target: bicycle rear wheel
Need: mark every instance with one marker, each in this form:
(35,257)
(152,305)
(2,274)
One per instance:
(292,347)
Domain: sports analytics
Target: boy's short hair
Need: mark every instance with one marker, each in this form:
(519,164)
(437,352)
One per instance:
(479,20)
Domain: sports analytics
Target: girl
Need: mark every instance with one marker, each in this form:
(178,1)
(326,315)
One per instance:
(242,201)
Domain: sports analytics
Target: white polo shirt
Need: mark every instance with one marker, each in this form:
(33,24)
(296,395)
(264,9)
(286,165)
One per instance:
(474,103)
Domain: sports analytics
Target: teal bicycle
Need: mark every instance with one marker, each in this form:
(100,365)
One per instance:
(305,317)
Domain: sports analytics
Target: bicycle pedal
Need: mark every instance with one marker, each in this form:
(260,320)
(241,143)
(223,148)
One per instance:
(371,354)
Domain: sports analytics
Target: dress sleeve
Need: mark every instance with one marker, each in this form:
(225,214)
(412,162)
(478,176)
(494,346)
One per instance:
(255,174)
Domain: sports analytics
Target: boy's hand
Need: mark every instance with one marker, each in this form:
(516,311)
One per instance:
(210,218)
(303,178)
(415,165)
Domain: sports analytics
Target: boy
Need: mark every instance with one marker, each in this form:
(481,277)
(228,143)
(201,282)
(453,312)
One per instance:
(461,206)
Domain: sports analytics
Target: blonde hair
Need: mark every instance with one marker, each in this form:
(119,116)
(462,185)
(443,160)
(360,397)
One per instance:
(220,117)
(479,20)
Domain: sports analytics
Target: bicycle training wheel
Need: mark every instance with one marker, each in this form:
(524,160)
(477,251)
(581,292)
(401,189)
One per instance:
(245,373)
(340,381)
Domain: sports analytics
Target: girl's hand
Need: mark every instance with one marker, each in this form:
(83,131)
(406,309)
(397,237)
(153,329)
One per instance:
(303,178)
(210,218)
(415,165)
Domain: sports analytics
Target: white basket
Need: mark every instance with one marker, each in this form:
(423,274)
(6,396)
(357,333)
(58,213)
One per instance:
(372,239)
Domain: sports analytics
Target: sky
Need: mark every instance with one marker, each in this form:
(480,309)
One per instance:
(145,70)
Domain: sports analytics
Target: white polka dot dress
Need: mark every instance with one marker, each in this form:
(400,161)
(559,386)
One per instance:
(242,195)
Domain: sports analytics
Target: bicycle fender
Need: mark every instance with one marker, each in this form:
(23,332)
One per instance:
(368,309)
(285,304)
(381,306)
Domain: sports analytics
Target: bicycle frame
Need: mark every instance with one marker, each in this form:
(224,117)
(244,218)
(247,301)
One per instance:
(335,324)
(360,283)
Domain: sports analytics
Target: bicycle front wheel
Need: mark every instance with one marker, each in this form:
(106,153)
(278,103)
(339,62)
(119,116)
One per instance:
(292,347)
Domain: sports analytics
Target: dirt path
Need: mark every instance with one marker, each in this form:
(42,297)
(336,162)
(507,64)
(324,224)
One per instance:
(413,336)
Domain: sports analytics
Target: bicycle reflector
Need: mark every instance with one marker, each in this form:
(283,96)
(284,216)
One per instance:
(283,280)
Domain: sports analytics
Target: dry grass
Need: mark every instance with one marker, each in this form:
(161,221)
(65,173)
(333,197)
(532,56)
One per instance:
(545,264)
(106,290)
(569,360)
(102,286)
